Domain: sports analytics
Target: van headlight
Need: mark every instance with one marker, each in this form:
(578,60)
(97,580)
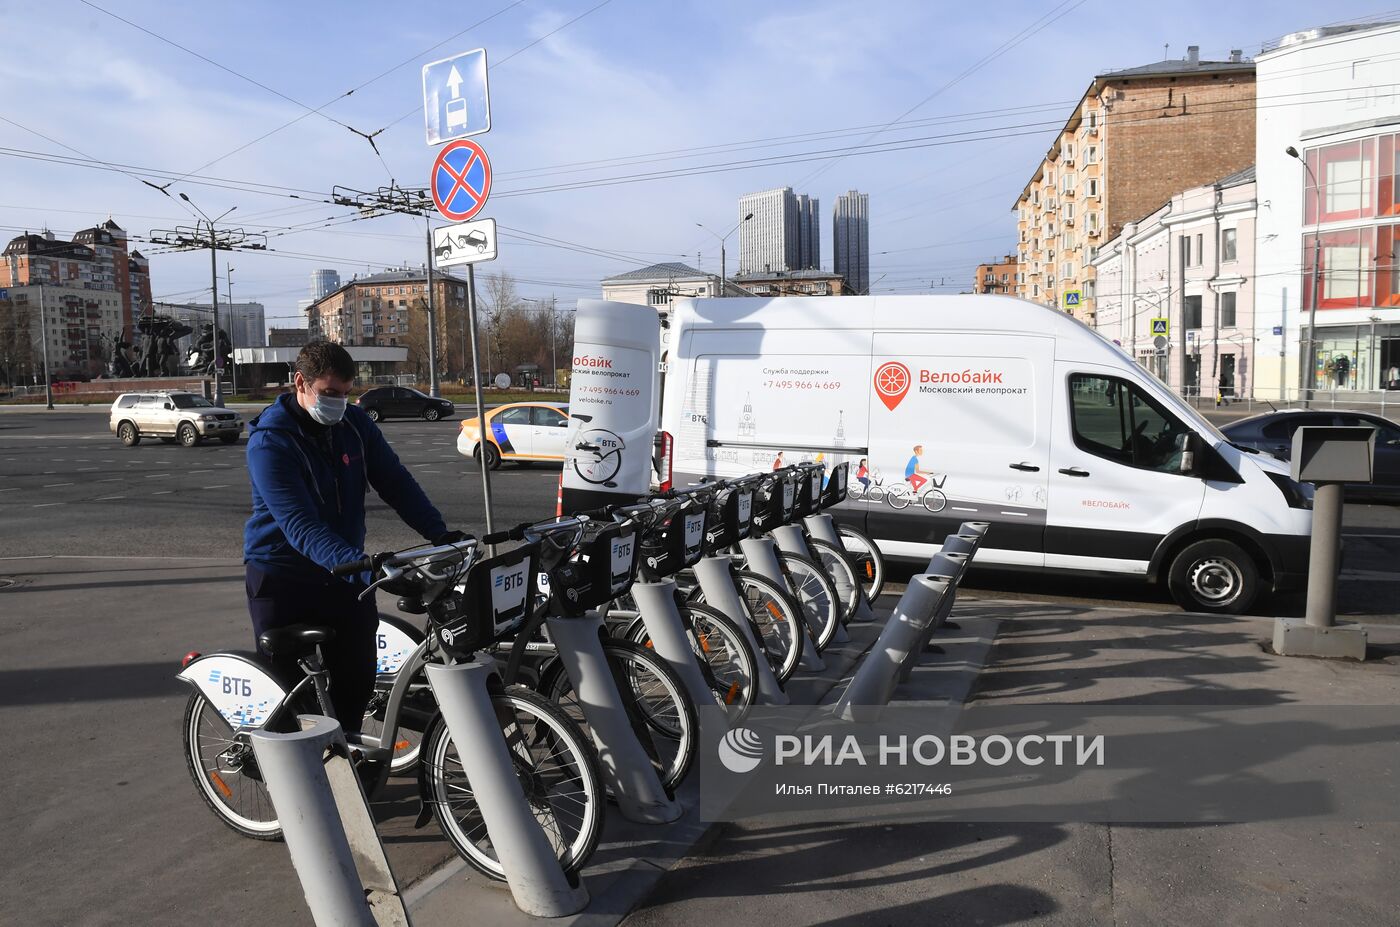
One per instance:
(1299,495)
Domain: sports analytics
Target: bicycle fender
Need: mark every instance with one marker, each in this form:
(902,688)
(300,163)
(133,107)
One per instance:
(396,640)
(238,687)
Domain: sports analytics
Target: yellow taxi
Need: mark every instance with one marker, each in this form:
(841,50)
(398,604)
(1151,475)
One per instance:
(520,431)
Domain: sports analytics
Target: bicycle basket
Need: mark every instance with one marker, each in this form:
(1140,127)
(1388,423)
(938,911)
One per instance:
(730,519)
(775,504)
(671,547)
(493,603)
(601,570)
(835,489)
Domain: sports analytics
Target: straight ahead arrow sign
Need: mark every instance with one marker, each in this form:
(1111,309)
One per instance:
(454,81)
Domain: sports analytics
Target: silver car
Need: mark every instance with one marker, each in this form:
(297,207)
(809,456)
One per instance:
(172,415)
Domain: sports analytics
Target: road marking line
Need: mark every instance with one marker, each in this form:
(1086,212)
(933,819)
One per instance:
(163,492)
(86,469)
(155,476)
(11,489)
(44,505)
(1017,514)
(53,485)
(218,486)
(105,498)
(111,479)
(193,472)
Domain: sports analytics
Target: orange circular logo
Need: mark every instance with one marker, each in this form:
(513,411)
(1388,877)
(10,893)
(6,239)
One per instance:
(891,383)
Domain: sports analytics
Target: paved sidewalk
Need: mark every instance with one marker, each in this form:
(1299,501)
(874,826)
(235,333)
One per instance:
(1073,874)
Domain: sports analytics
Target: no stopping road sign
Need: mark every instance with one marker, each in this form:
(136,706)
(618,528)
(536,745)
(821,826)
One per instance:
(461,180)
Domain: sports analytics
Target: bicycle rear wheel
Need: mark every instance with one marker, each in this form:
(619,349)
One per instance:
(226,773)
(869,561)
(558,770)
(669,728)
(816,594)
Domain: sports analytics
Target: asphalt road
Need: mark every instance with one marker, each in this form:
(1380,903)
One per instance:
(68,486)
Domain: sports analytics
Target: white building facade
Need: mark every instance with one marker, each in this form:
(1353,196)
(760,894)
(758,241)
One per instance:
(1331,94)
(1176,289)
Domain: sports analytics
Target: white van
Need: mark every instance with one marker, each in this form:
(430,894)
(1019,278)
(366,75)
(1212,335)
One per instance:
(984,408)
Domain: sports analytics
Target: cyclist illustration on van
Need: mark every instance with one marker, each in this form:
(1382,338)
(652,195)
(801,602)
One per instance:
(919,484)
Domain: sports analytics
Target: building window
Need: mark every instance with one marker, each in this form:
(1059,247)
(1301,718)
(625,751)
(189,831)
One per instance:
(1192,312)
(1199,253)
(1347,172)
(658,297)
(1227,244)
(1346,270)
(1092,188)
(1227,310)
(1069,152)
(1091,154)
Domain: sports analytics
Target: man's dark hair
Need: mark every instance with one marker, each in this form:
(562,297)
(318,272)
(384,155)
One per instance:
(325,358)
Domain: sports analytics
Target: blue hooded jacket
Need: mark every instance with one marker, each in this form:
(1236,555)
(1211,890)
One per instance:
(309,495)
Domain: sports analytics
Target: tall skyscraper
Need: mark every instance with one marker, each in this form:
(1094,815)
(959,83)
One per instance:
(784,233)
(324,282)
(809,236)
(850,241)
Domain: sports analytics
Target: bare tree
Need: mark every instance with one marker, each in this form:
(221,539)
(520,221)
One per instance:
(16,347)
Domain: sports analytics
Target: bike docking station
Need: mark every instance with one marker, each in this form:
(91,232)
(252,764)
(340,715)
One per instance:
(604,569)
(925,604)
(791,539)
(537,881)
(734,511)
(327,825)
(775,508)
(1328,457)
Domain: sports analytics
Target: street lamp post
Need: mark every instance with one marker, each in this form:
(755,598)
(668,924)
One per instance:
(723,281)
(44,325)
(214,293)
(232,332)
(1310,378)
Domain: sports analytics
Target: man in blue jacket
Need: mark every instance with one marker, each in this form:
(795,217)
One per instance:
(312,458)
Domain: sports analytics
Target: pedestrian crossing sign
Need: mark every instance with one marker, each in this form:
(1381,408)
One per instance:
(1071,298)
(1159,327)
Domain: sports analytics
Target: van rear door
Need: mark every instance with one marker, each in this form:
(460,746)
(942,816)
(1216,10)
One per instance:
(1116,487)
(960,431)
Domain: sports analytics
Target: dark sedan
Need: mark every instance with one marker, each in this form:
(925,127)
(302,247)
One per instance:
(1272,433)
(401,402)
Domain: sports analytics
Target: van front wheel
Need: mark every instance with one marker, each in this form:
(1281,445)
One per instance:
(1214,576)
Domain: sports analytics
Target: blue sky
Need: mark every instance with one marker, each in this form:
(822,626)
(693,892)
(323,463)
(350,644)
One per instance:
(663,85)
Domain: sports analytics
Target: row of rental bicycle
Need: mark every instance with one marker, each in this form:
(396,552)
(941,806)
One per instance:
(712,595)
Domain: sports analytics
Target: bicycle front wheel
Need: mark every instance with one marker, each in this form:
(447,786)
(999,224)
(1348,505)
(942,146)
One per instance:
(816,594)
(558,771)
(723,652)
(775,618)
(653,694)
(934,500)
(839,569)
(869,561)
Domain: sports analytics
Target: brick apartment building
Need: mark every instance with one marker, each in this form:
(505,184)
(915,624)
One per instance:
(997,277)
(1135,138)
(389,309)
(91,289)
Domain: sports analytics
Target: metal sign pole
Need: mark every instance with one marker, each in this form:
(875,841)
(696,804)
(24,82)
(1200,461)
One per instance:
(476,389)
(433,389)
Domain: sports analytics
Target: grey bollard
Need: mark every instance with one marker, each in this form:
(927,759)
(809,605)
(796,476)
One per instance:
(950,568)
(790,539)
(974,528)
(536,878)
(762,557)
(293,767)
(718,586)
(823,528)
(656,602)
(876,678)
(627,768)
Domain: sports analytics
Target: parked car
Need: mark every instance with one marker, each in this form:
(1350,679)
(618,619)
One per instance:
(402,402)
(521,431)
(172,415)
(1272,433)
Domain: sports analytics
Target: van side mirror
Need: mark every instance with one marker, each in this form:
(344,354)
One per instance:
(1190,444)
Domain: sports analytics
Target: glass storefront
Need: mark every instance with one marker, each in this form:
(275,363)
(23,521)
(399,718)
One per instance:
(1356,357)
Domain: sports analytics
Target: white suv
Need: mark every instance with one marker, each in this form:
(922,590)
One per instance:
(172,415)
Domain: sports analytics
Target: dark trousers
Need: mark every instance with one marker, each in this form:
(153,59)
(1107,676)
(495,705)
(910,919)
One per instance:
(275,601)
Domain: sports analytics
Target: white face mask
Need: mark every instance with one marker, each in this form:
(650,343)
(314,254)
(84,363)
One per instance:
(328,409)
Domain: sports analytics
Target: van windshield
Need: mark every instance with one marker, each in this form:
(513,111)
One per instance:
(189,401)
(1179,406)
